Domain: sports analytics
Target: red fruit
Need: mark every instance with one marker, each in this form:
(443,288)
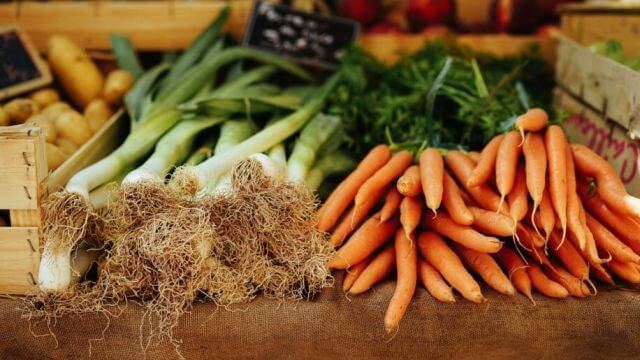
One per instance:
(362,11)
(422,13)
(385,27)
(515,16)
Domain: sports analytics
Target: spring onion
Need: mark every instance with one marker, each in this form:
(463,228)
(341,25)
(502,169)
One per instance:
(311,138)
(328,165)
(204,151)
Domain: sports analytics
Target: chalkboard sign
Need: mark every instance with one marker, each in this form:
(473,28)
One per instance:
(313,39)
(21,67)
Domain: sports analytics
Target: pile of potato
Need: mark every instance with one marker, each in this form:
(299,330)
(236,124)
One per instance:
(65,128)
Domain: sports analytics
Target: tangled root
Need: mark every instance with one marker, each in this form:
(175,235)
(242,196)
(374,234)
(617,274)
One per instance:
(66,218)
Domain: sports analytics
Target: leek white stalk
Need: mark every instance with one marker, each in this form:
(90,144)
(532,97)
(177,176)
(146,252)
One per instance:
(330,164)
(172,149)
(279,154)
(311,138)
(270,136)
(232,133)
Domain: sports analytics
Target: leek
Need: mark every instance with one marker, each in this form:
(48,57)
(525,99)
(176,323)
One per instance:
(311,138)
(204,151)
(331,164)
(231,134)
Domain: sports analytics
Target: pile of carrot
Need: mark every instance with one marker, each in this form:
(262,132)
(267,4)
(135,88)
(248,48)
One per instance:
(530,211)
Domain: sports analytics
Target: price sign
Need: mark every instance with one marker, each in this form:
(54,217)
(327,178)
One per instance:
(313,39)
(21,67)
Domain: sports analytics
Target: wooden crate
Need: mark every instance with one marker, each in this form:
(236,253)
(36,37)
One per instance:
(593,22)
(24,182)
(606,85)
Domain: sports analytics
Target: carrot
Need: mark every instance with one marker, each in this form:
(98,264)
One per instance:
(434,283)
(391,204)
(462,234)
(529,237)
(591,250)
(547,215)
(556,143)
(600,273)
(407,280)
(462,167)
(516,269)
(625,271)
(379,268)
(569,256)
(436,251)
(559,274)
(474,156)
(383,177)
(535,158)
(351,274)
(410,212)
(486,164)
(485,266)
(370,236)
(352,220)
(491,223)
(574,221)
(507,164)
(610,186)
(534,119)
(517,198)
(454,203)
(610,243)
(409,183)
(543,284)
(342,196)
(432,176)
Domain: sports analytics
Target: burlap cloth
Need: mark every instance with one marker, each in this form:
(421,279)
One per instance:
(605,326)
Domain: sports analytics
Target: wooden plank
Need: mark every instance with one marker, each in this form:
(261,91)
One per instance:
(19,181)
(101,144)
(610,140)
(19,260)
(602,83)
(151,25)
(25,218)
(599,7)
(589,28)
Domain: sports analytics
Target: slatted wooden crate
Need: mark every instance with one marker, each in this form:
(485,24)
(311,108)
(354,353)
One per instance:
(24,182)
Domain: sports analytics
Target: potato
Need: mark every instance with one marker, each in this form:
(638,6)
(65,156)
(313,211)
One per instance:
(46,124)
(4,117)
(74,70)
(55,156)
(118,82)
(55,109)
(66,146)
(20,110)
(45,97)
(72,126)
(97,113)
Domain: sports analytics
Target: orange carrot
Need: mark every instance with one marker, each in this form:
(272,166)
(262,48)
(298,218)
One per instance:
(610,243)
(507,163)
(485,266)
(569,256)
(535,157)
(434,283)
(409,183)
(600,273)
(410,213)
(543,284)
(351,274)
(474,156)
(462,167)
(547,215)
(432,176)
(391,204)
(610,187)
(454,203)
(383,177)
(379,268)
(517,198)
(516,269)
(407,280)
(556,143)
(559,274)
(342,196)
(370,236)
(625,271)
(491,223)
(436,251)
(352,220)
(529,237)
(486,164)
(534,119)
(591,250)
(462,234)
(574,221)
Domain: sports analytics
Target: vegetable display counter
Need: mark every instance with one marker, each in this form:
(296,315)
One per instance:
(334,326)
